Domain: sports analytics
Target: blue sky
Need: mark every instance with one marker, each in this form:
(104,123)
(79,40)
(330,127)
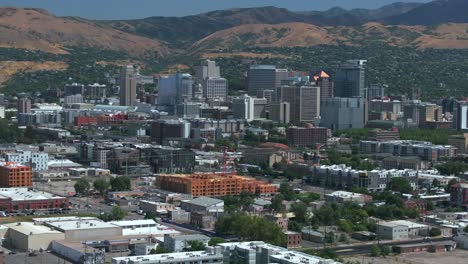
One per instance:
(127,9)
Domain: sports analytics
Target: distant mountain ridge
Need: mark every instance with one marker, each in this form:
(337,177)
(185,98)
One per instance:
(419,25)
(183,31)
(432,13)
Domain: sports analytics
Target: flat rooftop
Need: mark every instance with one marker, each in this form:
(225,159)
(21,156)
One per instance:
(24,194)
(409,224)
(181,256)
(63,218)
(29,228)
(81,224)
(298,257)
(143,227)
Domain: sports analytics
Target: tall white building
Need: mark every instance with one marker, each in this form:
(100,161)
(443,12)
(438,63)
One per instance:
(207,69)
(37,160)
(244,108)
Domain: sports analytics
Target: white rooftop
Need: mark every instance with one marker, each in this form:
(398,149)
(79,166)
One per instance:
(194,255)
(344,194)
(63,218)
(29,228)
(408,224)
(23,194)
(298,257)
(143,227)
(80,224)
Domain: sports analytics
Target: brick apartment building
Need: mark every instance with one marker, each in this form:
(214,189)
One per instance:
(12,199)
(13,174)
(212,184)
(307,136)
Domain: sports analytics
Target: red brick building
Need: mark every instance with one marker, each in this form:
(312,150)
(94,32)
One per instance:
(13,174)
(307,136)
(294,239)
(419,205)
(13,199)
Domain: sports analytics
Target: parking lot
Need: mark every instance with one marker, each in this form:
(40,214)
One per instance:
(455,257)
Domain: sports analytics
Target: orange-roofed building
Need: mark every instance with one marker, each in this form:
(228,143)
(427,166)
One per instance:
(13,174)
(325,83)
(213,184)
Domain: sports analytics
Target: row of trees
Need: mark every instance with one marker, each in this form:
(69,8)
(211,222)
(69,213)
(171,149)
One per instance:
(102,185)
(250,228)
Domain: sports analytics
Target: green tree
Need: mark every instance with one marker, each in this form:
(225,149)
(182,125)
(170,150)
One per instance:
(386,250)
(435,232)
(150,215)
(330,237)
(465,229)
(248,227)
(120,183)
(430,206)
(246,199)
(82,186)
(215,241)
(287,191)
(399,184)
(450,184)
(116,214)
(343,238)
(195,245)
(101,185)
(375,250)
(300,211)
(277,203)
(452,167)
(159,250)
(295,226)
(345,226)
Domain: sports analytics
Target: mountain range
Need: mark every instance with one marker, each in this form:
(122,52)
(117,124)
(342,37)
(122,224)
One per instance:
(437,24)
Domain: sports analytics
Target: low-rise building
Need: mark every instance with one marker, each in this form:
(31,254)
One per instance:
(294,239)
(13,199)
(203,204)
(29,236)
(392,231)
(343,196)
(143,227)
(80,230)
(155,207)
(179,243)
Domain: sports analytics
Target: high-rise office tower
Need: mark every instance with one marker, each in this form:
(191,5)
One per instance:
(215,88)
(304,102)
(280,76)
(322,80)
(128,82)
(350,79)
(207,69)
(375,91)
(175,89)
(261,77)
(23,105)
(243,108)
(342,113)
